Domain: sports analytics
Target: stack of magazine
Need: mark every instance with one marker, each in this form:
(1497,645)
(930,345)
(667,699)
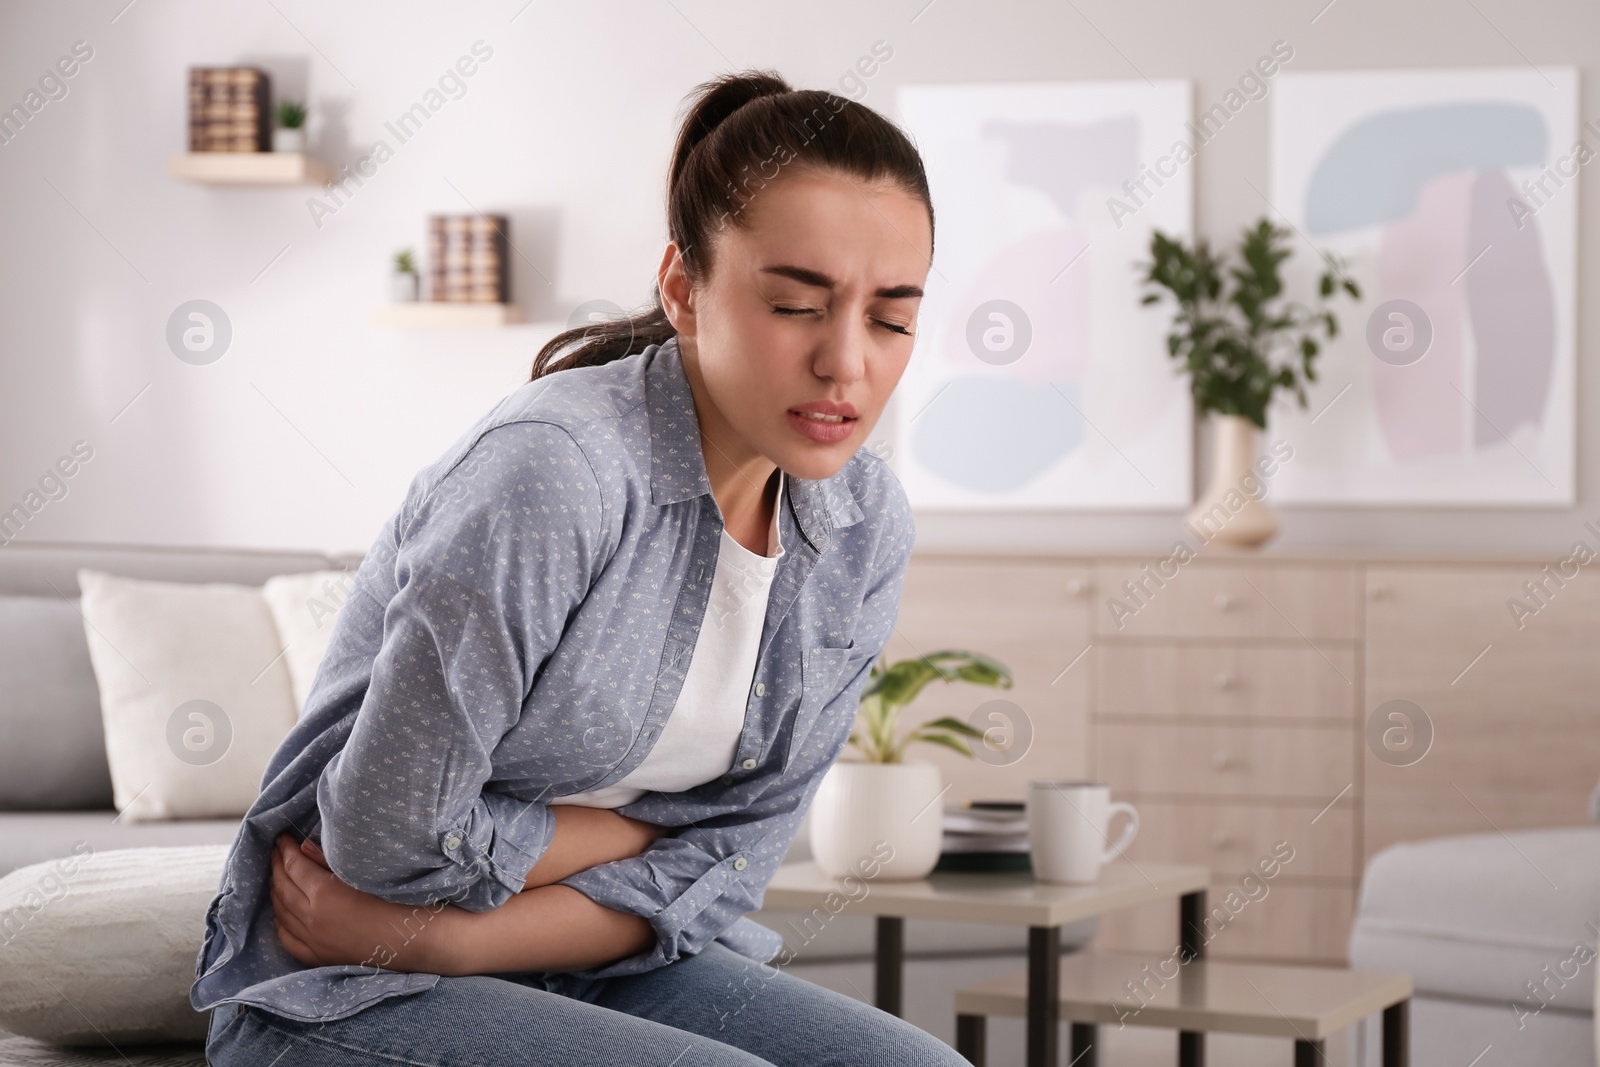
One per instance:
(985,835)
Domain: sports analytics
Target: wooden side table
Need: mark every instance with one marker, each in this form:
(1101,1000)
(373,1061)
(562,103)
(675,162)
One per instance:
(1305,1004)
(1011,897)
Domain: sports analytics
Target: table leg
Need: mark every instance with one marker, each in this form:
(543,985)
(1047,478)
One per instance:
(889,971)
(970,1034)
(1397,1034)
(1191,946)
(1309,1054)
(1192,925)
(1044,996)
(1083,1051)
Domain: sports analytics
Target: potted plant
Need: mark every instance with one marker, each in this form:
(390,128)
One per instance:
(1240,339)
(290,136)
(404,283)
(882,796)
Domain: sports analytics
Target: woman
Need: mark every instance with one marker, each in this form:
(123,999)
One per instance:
(588,677)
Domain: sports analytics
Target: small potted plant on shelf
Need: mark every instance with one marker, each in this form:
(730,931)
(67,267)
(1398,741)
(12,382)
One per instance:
(290,136)
(883,797)
(404,283)
(1240,340)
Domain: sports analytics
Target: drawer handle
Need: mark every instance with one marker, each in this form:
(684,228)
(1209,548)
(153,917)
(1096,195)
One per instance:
(1223,681)
(1077,587)
(1221,839)
(1224,602)
(1222,761)
(1377,591)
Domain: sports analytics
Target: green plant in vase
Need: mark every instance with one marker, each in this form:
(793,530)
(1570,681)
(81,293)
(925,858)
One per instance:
(889,689)
(884,811)
(404,283)
(1240,339)
(290,136)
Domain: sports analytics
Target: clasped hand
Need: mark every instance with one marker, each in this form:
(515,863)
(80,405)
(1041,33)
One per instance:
(322,921)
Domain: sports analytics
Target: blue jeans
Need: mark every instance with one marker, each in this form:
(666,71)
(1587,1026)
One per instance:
(713,1009)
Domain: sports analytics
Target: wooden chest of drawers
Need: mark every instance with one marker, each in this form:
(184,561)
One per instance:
(1224,707)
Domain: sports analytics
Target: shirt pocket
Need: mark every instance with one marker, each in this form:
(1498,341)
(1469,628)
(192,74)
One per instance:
(820,678)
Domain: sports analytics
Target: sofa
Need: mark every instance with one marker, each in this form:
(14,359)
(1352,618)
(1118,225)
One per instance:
(1499,933)
(55,786)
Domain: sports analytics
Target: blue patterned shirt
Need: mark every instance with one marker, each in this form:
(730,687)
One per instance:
(520,630)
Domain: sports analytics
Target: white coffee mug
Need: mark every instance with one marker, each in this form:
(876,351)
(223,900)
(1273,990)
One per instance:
(1067,824)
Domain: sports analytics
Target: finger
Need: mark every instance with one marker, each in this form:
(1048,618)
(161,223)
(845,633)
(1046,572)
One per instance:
(296,947)
(287,920)
(295,863)
(286,914)
(278,884)
(287,893)
(314,852)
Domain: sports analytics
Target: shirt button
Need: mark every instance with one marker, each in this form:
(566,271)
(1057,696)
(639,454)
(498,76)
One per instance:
(740,863)
(761,689)
(749,764)
(452,841)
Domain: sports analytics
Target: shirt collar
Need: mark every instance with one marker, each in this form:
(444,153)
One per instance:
(678,467)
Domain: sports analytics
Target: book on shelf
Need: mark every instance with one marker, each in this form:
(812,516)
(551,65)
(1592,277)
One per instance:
(467,259)
(229,110)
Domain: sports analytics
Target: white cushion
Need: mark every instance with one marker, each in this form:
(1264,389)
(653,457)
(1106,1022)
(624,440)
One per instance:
(194,694)
(304,607)
(110,937)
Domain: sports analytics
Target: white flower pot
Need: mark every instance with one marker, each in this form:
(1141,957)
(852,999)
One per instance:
(1229,511)
(882,815)
(285,139)
(402,287)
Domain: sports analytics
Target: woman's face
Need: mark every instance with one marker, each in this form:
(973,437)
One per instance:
(811,305)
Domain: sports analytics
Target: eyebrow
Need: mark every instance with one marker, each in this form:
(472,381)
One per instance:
(807,276)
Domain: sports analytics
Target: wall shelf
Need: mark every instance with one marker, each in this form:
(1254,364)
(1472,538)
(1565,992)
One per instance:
(431,314)
(248,168)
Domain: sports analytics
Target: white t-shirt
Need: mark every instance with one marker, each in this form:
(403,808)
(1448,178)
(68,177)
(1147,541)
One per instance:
(702,731)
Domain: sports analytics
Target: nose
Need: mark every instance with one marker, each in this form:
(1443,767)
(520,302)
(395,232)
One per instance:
(842,356)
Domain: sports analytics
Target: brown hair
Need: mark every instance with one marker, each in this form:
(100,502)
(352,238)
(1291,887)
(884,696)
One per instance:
(741,130)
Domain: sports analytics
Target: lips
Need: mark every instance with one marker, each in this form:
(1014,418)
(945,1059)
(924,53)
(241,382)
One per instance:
(823,421)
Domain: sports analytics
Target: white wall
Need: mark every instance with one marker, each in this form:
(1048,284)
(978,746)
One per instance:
(307,431)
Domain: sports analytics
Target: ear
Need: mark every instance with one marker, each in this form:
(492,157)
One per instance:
(677,295)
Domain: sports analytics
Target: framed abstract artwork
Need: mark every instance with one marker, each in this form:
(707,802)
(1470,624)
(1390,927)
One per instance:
(1452,197)
(1038,381)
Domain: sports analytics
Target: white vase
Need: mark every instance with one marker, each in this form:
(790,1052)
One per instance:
(882,817)
(1231,511)
(285,139)
(402,287)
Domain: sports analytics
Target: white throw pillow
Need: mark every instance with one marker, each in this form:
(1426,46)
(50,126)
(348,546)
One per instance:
(194,693)
(109,935)
(304,607)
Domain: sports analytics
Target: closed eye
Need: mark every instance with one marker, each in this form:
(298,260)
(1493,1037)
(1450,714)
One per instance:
(779,309)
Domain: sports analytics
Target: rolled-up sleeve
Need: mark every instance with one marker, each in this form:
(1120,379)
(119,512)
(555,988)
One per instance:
(490,568)
(694,885)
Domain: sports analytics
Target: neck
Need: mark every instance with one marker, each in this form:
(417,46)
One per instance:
(741,478)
